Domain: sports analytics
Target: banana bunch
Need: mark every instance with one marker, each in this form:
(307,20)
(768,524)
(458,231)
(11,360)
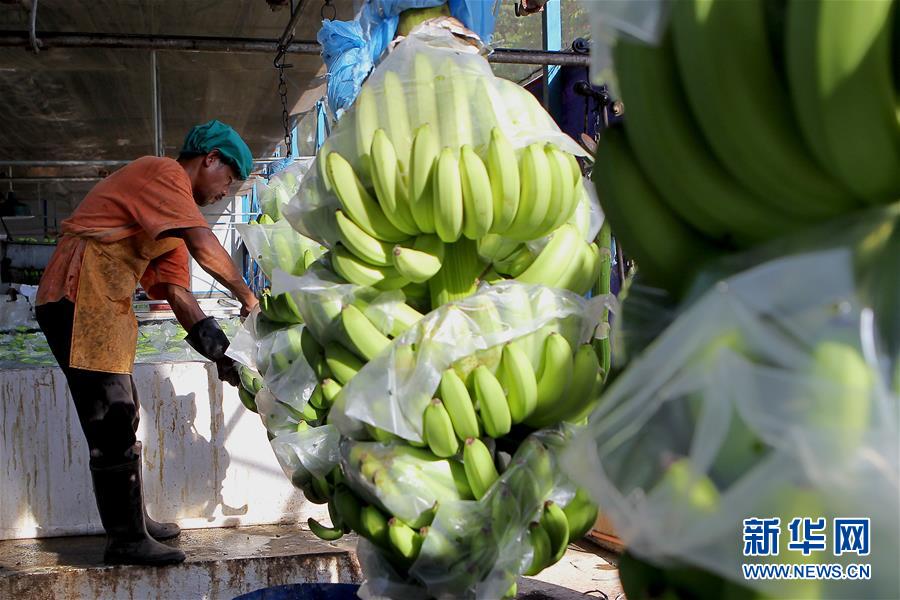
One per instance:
(562,387)
(375,501)
(251,383)
(689,179)
(432,199)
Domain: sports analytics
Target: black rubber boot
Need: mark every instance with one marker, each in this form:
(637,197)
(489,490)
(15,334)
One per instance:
(160,531)
(121,504)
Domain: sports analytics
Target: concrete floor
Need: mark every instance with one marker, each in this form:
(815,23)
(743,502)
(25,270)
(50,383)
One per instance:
(224,563)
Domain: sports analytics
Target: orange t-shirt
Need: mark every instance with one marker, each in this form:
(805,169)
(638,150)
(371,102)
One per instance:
(146,197)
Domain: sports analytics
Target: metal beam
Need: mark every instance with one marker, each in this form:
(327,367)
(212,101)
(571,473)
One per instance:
(516,56)
(62,163)
(51,179)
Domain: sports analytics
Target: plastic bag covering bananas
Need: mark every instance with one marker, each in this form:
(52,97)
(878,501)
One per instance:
(738,409)
(407,193)
(430,162)
(471,336)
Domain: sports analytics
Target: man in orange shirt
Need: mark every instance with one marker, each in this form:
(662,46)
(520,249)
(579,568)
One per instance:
(137,225)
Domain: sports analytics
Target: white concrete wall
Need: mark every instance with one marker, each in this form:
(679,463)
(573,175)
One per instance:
(207,461)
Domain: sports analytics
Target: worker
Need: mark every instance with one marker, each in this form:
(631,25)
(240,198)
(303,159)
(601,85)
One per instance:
(137,225)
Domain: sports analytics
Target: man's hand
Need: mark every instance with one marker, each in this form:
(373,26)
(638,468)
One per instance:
(248,305)
(228,371)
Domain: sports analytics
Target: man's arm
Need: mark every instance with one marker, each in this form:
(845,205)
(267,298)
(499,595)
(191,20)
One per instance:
(204,246)
(204,334)
(186,308)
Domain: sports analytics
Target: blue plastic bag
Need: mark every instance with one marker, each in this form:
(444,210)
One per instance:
(350,49)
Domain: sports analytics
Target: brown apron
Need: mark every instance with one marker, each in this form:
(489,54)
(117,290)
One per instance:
(104,333)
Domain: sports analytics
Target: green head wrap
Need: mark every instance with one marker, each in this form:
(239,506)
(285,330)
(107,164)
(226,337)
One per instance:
(216,135)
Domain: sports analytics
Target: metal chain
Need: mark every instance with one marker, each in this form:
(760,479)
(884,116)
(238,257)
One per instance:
(328,7)
(282,92)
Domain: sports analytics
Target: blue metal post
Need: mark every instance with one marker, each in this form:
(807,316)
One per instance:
(294,146)
(321,124)
(552,34)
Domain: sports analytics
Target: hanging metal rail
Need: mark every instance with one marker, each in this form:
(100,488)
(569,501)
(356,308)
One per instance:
(251,46)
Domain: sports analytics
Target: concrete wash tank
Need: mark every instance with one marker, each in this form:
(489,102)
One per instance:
(207,465)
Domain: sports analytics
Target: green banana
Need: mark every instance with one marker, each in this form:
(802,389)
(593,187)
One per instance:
(343,364)
(534,198)
(492,405)
(562,196)
(422,161)
(361,244)
(406,541)
(284,253)
(357,202)
(421,262)
(395,111)
(250,380)
(367,341)
(403,317)
(380,435)
(545,269)
(361,273)
(667,250)
(318,490)
(424,99)
(459,405)
(458,275)
(493,247)
(555,374)
(839,69)
(326,533)
(452,93)
(447,196)
(724,60)
(366,122)
(542,550)
(478,206)
(581,394)
(516,263)
(675,158)
(555,523)
(503,168)
(517,377)
(437,430)
(374,526)
(387,179)
(588,271)
(334,513)
(347,506)
(479,465)
(317,399)
(577,190)
(247,399)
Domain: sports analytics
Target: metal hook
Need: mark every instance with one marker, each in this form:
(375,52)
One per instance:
(333,10)
(32,31)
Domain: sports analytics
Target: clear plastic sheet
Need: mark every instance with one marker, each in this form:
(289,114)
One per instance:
(320,296)
(277,356)
(316,450)
(773,393)
(637,19)
(477,549)
(500,103)
(277,246)
(392,390)
(275,194)
(411,479)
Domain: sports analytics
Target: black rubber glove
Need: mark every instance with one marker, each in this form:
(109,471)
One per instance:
(207,338)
